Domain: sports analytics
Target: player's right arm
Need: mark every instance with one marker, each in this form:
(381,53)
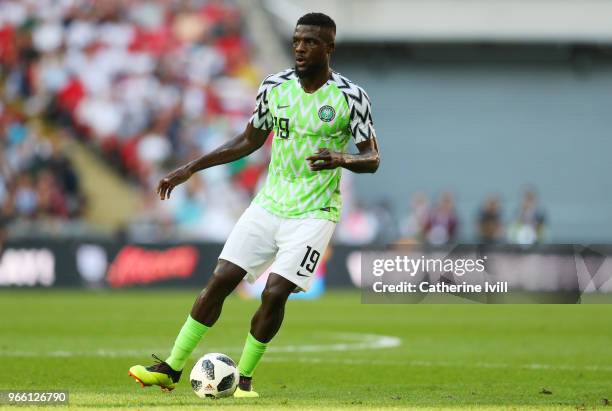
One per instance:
(244,144)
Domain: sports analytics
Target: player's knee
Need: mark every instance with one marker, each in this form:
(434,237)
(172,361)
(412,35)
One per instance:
(227,270)
(274,297)
(226,274)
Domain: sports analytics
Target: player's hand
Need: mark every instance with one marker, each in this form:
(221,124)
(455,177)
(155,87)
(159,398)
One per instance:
(167,184)
(324,159)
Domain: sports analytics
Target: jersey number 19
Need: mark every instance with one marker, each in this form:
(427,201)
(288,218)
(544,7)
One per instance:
(281,127)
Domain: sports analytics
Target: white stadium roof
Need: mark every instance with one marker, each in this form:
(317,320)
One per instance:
(522,21)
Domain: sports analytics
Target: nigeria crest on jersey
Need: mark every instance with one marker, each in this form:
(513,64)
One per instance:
(327,113)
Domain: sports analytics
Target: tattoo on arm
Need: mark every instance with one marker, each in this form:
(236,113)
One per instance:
(366,161)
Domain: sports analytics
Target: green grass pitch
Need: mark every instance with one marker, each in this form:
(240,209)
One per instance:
(330,353)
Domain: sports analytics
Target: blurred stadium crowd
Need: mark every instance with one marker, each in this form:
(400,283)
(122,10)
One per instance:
(149,85)
(436,222)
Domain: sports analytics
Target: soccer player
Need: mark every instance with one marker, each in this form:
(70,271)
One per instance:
(313,112)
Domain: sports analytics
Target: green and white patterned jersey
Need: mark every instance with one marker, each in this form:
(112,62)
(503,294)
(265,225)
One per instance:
(302,123)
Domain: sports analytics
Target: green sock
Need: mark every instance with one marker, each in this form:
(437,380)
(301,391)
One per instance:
(251,354)
(186,341)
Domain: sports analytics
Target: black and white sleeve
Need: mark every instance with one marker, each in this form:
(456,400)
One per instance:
(360,122)
(262,117)
(361,125)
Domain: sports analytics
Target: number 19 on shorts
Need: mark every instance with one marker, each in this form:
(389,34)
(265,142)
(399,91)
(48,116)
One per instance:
(310,260)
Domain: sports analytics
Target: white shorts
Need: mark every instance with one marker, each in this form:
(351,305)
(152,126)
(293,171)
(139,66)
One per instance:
(293,246)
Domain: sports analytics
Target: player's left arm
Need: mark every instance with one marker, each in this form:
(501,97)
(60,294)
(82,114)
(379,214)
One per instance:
(366,161)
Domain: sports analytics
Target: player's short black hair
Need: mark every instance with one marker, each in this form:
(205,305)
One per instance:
(317,19)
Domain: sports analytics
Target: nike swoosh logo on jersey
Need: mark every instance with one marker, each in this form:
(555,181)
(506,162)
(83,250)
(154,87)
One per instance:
(302,275)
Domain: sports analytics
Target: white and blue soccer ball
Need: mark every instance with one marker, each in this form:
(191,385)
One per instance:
(215,375)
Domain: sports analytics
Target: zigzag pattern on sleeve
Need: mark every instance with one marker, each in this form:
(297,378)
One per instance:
(261,117)
(361,123)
